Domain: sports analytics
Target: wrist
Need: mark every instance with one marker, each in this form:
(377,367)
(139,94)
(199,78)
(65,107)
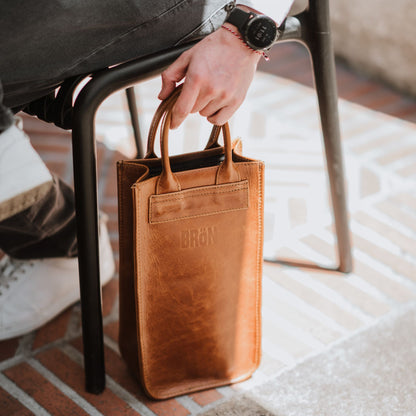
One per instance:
(231,32)
(258,31)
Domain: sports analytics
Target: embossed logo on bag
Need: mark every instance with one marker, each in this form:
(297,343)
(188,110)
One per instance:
(198,237)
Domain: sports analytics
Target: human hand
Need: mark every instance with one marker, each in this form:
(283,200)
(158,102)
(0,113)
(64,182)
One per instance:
(218,71)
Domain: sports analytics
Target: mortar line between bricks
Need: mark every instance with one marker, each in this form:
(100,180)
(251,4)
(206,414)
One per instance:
(63,388)
(132,401)
(118,390)
(11,362)
(22,396)
(58,343)
(226,391)
(113,315)
(110,318)
(73,329)
(25,344)
(215,404)
(73,353)
(189,404)
(110,343)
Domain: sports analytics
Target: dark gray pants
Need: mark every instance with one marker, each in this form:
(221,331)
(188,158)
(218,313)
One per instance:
(42,43)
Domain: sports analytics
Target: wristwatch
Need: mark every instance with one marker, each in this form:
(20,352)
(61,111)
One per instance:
(258,31)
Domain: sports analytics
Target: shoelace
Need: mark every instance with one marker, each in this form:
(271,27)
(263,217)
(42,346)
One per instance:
(10,271)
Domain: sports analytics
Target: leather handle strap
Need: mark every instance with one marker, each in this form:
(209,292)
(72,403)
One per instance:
(168,182)
(160,111)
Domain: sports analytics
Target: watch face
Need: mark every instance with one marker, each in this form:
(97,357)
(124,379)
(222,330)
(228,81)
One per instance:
(261,32)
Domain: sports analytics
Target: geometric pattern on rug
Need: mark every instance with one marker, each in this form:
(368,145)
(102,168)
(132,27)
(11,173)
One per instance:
(372,373)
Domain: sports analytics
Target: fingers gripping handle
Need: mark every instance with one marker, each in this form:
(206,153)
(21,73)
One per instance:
(161,110)
(168,182)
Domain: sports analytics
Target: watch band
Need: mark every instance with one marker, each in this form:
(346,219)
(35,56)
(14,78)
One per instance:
(239,18)
(258,31)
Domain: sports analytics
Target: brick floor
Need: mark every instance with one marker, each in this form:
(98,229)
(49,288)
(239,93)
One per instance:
(304,311)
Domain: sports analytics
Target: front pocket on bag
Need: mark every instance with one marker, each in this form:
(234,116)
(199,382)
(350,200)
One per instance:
(198,202)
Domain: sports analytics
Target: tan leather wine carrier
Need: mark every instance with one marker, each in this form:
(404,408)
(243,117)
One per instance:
(191,238)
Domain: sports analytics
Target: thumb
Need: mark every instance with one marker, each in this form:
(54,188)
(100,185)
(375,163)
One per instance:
(173,74)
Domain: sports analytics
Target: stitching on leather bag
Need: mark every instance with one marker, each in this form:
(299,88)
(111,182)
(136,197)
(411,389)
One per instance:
(241,186)
(258,278)
(177,392)
(139,291)
(177,198)
(197,216)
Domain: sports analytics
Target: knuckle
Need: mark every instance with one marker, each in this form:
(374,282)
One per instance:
(225,95)
(211,90)
(195,78)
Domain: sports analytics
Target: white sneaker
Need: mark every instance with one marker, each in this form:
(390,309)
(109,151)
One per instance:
(24,177)
(32,292)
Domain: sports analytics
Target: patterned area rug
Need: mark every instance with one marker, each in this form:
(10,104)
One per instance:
(372,374)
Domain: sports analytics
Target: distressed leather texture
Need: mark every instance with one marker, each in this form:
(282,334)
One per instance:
(191,238)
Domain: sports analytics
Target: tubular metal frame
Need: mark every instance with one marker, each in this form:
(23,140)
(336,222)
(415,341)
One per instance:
(311,28)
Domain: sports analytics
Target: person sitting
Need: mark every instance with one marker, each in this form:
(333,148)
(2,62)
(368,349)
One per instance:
(41,44)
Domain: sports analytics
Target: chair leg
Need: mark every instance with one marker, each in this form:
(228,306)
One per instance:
(85,184)
(131,100)
(320,47)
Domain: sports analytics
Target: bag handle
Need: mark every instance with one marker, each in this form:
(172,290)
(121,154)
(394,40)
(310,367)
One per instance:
(160,111)
(168,182)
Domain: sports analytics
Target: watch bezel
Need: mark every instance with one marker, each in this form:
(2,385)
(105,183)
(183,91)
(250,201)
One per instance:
(248,25)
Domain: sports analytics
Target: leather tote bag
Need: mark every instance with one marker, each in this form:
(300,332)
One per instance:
(191,238)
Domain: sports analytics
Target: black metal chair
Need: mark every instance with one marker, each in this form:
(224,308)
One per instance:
(309,26)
